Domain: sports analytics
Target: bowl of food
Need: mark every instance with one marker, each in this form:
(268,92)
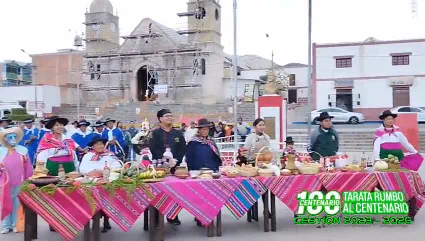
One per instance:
(216,175)
(286,172)
(265,172)
(194,173)
(74,175)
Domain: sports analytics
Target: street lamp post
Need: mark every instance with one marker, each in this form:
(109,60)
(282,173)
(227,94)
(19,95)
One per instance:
(268,36)
(310,92)
(235,72)
(34,82)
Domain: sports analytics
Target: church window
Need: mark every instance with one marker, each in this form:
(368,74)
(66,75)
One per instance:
(200,13)
(98,68)
(92,76)
(217,15)
(150,28)
(203,67)
(195,66)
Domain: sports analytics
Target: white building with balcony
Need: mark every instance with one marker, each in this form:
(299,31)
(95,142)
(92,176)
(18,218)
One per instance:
(370,76)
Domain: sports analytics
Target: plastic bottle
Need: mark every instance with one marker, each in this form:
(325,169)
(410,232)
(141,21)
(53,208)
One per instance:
(355,161)
(168,154)
(106,171)
(61,173)
(364,159)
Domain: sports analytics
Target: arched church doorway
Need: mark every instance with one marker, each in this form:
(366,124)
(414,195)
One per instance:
(146,81)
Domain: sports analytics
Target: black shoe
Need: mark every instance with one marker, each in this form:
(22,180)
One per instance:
(199,224)
(104,230)
(51,229)
(175,221)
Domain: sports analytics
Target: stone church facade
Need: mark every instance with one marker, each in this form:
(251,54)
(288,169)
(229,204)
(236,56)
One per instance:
(189,63)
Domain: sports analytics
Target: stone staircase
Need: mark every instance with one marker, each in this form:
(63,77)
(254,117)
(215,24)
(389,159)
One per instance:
(353,141)
(127,111)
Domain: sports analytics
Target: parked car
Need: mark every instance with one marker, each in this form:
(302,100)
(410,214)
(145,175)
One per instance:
(340,115)
(410,109)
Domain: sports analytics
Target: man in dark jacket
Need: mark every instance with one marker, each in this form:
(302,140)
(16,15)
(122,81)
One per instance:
(324,140)
(165,136)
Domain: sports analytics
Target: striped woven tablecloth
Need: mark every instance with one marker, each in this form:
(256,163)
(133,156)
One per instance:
(410,183)
(348,181)
(286,188)
(202,198)
(67,213)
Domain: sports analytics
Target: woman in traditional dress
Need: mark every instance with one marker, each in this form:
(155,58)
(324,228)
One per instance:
(15,167)
(201,151)
(94,161)
(93,164)
(56,148)
(389,140)
(256,140)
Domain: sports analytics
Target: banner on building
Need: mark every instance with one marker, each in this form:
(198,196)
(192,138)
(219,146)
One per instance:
(31,106)
(249,93)
(161,89)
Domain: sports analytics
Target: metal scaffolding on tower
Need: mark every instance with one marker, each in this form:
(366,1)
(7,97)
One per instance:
(176,65)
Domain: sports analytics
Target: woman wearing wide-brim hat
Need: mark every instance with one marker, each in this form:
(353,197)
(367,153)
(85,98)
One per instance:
(56,148)
(389,140)
(201,151)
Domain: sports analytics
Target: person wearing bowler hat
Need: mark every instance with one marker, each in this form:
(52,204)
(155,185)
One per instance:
(289,145)
(15,168)
(83,136)
(201,151)
(94,162)
(165,136)
(389,140)
(324,141)
(57,149)
(115,137)
(99,126)
(43,129)
(4,122)
(30,139)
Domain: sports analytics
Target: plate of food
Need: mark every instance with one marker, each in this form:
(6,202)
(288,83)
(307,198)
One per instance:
(44,180)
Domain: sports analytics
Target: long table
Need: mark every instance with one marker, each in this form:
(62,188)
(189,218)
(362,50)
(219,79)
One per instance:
(69,211)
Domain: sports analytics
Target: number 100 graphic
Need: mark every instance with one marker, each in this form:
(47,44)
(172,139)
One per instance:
(316,202)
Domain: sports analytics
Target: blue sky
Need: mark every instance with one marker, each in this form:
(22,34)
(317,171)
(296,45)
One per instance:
(40,26)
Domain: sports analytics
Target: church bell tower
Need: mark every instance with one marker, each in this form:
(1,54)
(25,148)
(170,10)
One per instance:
(102,28)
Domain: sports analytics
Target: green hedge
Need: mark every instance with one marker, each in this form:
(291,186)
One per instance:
(20,115)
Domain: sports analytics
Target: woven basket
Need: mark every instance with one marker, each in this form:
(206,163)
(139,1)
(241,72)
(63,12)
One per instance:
(309,170)
(265,173)
(246,173)
(393,166)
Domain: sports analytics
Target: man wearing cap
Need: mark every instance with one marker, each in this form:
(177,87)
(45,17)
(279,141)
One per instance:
(324,140)
(190,131)
(166,136)
(115,137)
(30,139)
(43,129)
(82,136)
(15,168)
(99,127)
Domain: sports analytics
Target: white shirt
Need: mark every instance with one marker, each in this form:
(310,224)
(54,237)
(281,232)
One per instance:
(87,165)
(396,137)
